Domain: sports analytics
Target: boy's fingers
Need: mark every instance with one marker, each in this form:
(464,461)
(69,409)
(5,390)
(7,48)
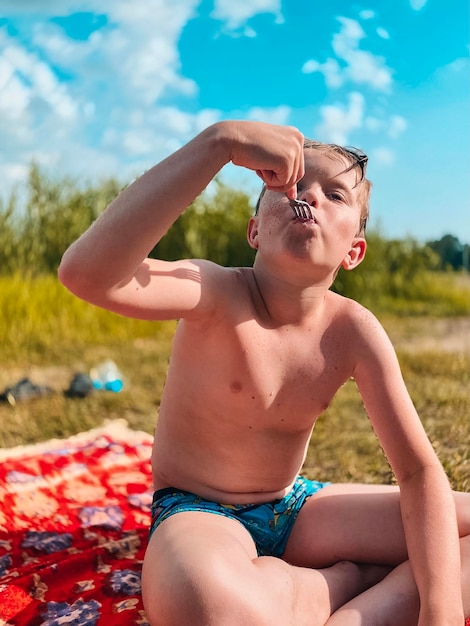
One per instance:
(292,192)
(275,153)
(273,181)
(289,188)
(284,182)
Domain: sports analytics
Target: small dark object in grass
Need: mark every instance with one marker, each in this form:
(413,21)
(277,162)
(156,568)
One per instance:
(24,389)
(80,386)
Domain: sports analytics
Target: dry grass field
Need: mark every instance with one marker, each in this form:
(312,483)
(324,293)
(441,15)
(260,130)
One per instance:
(434,355)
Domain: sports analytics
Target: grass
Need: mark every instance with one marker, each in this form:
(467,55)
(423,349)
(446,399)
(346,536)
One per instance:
(344,447)
(49,335)
(40,320)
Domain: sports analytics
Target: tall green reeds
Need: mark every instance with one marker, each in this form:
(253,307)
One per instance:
(399,276)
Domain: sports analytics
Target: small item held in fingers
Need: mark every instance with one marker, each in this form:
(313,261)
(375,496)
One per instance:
(301,209)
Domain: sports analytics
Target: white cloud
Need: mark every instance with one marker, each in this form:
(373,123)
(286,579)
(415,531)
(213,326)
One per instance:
(366,68)
(28,81)
(417,5)
(127,65)
(348,38)
(235,15)
(108,110)
(385,156)
(46,8)
(278,115)
(357,66)
(383,33)
(146,48)
(152,135)
(361,66)
(456,70)
(392,126)
(339,120)
(330,69)
(137,54)
(397,125)
(15,94)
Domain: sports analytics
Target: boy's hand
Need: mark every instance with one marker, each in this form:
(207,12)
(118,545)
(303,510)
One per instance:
(275,153)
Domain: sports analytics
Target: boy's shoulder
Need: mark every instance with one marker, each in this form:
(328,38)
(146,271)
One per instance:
(356,319)
(350,308)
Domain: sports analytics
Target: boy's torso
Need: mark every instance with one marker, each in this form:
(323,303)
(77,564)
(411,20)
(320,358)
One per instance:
(241,399)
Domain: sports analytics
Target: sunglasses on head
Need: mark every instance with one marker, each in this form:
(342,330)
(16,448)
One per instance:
(359,158)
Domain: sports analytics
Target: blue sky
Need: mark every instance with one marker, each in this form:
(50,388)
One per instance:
(93,89)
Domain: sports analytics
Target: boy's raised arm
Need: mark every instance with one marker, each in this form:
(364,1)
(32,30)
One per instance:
(111,251)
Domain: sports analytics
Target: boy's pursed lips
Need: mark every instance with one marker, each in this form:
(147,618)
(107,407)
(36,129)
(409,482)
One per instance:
(304,220)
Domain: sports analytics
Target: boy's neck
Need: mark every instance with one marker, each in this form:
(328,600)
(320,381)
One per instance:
(287,302)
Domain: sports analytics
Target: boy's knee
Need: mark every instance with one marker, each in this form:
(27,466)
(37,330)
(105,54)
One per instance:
(219,595)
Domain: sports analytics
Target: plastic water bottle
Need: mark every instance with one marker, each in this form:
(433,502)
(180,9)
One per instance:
(107,376)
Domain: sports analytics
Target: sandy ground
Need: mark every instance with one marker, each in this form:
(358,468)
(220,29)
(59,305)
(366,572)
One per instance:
(441,335)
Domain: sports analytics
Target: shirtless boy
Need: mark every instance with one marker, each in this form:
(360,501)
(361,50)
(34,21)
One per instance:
(258,354)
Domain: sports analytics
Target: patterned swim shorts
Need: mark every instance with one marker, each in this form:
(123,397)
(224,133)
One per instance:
(269,523)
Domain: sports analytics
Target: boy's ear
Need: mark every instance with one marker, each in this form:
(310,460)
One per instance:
(356,254)
(252,232)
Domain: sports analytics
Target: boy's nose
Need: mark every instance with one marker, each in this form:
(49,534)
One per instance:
(309,195)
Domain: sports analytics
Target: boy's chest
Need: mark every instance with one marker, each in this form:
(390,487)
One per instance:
(285,370)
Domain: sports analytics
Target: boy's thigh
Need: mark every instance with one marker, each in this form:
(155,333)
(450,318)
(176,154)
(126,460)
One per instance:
(191,555)
(351,522)
(188,541)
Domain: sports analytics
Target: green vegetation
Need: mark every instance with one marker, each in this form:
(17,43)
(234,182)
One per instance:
(402,277)
(33,237)
(48,334)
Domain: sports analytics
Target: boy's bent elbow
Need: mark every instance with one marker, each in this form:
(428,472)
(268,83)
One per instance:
(73,276)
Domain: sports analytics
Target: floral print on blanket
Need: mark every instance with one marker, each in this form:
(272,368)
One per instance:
(78,614)
(74,518)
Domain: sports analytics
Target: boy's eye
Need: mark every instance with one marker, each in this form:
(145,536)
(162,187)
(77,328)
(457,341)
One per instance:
(337,197)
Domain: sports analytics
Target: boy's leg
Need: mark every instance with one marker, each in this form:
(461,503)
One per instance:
(396,596)
(202,568)
(355,522)
(348,522)
(363,523)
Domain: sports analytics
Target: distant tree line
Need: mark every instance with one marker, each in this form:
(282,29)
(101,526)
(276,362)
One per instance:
(54,213)
(451,252)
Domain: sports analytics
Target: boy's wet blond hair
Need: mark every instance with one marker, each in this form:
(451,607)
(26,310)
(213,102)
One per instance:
(358,160)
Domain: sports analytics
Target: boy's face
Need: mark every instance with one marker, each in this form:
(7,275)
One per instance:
(330,240)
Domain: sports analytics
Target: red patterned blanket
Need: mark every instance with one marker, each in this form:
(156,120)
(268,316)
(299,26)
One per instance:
(74,518)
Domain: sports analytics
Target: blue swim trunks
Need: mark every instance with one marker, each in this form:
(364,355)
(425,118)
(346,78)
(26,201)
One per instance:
(269,523)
